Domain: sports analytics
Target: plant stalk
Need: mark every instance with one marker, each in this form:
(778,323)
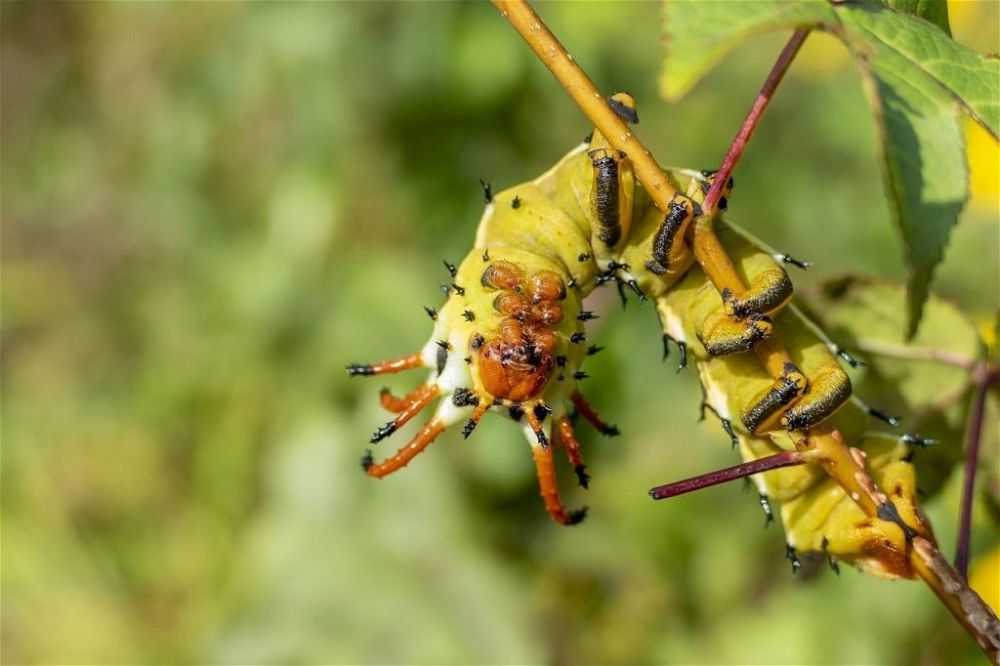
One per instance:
(746,130)
(765,464)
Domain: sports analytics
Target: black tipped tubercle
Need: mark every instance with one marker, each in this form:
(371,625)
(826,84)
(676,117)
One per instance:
(383,432)
(356,369)
(792,556)
(626,113)
(581,475)
(882,416)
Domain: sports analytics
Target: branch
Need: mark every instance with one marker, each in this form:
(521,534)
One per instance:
(930,354)
(753,117)
(586,95)
(984,375)
(965,605)
(765,464)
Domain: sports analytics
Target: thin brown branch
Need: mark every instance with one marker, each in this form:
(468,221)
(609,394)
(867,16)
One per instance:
(746,130)
(984,376)
(765,464)
(965,605)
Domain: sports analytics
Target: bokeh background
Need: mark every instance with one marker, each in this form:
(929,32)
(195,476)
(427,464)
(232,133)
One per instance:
(209,208)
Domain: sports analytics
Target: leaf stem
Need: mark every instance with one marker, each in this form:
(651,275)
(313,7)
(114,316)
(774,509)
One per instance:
(984,375)
(739,144)
(931,354)
(767,463)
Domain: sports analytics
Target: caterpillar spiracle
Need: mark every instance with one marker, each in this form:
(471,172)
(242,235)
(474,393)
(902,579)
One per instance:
(510,339)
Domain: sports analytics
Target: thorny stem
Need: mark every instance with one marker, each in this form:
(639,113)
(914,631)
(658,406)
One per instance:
(765,464)
(984,376)
(753,117)
(962,601)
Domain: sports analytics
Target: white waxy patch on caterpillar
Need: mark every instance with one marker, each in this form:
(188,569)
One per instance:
(450,414)
(715,394)
(530,434)
(673,325)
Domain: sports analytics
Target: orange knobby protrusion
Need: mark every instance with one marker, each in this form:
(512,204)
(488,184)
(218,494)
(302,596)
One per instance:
(393,404)
(420,441)
(588,413)
(412,405)
(387,367)
(568,438)
(550,489)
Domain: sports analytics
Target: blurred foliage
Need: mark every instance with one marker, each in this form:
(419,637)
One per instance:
(210,208)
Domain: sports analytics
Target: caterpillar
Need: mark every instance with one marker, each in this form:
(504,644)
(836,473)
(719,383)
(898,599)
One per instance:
(510,339)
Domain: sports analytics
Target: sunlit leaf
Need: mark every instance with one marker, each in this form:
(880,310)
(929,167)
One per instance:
(698,34)
(914,75)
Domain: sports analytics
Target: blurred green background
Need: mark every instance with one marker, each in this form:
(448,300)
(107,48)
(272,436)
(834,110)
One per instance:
(209,208)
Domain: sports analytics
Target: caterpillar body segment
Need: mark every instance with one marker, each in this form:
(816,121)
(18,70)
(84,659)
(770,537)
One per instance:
(819,516)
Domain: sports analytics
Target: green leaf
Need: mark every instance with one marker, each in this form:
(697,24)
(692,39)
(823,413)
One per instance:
(914,74)
(923,164)
(973,79)
(866,317)
(935,11)
(698,34)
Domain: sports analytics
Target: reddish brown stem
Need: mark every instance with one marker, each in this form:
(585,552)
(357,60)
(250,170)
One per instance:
(776,461)
(984,376)
(753,118)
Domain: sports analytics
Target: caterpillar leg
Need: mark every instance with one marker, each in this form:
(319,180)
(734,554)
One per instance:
(387,367)
(669,248)
(726,424)
(568,438)
(585,410)
(473,421)
(550,490)
(721,335)
(402,458)
(610,203)
(828,390)
(764,411)
(705,184)
(769,291)
(411,405)
(612,183)
(391,403)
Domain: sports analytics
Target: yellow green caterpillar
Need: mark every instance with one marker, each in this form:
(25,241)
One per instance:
(510,340)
